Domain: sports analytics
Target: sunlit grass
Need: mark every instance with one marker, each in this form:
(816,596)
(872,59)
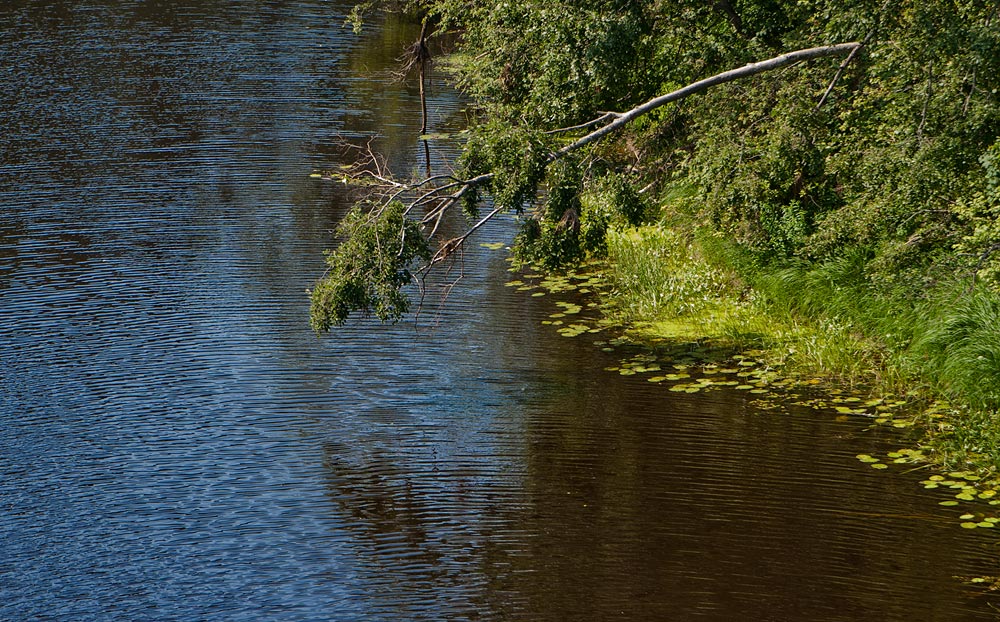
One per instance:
(824,320)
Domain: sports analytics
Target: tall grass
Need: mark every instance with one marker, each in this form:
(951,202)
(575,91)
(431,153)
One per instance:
(656,276)
(825,319)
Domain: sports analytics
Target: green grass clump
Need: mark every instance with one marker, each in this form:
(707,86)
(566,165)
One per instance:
(657,276)
(825,319)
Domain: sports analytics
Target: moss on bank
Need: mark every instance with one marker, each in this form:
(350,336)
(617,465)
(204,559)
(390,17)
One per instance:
(942,351)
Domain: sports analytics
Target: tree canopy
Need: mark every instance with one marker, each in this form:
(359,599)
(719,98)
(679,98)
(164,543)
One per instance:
(887,148)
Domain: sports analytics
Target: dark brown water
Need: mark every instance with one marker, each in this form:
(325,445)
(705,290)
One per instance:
(177,445)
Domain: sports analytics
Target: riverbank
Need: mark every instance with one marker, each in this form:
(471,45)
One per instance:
(673,282)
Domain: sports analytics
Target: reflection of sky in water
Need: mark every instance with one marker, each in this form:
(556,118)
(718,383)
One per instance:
(156,369)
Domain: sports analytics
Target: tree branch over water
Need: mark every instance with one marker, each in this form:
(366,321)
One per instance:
(382,237)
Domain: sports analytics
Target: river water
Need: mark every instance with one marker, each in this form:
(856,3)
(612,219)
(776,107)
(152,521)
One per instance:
(178,445)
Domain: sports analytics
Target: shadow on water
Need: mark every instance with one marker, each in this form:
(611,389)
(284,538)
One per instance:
(178,445)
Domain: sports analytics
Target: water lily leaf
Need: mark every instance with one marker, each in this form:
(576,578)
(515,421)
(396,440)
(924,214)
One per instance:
(986,524)
(948,503)
(969,525)
(966,516)
(866,458)
(879,465)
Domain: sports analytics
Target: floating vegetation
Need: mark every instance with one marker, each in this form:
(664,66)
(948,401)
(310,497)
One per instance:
(689,366)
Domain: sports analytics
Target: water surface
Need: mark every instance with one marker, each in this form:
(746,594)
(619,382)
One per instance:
(177,444)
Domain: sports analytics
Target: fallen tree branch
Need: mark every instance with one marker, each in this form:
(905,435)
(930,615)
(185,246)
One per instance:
(697,87)
(843,67)
(365,278)
(621,119)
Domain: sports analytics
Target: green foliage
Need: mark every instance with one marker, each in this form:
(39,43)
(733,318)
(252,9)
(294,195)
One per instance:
(548,64)
(552,237)
(367,271)
(515,156)
(897,167)
(980,213)
(577,216)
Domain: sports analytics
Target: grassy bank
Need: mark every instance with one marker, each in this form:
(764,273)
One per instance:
(942,351)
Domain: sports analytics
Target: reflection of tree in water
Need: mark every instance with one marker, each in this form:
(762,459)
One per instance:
(421,529)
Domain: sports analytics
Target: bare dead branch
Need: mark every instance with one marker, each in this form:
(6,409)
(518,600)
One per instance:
(454,244)
(697,87)
(442,197)
(843,67)
(601,119)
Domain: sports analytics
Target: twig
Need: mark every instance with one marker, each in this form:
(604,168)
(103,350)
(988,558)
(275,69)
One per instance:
(843,66)
(600,119)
